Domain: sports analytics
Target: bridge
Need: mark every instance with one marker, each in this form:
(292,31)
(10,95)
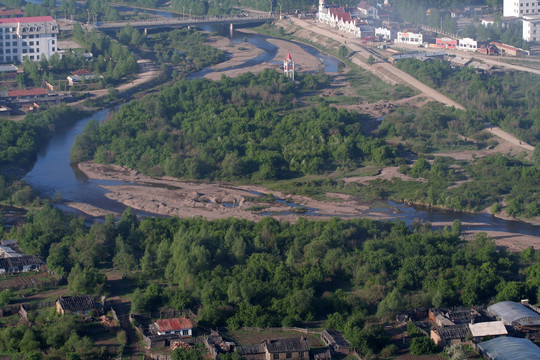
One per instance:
(164,23)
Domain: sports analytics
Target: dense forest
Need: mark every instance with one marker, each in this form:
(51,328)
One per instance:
(230,129)
(239,273)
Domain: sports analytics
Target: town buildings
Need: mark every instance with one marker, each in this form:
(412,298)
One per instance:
(31,37)
(531,28)
(521,8)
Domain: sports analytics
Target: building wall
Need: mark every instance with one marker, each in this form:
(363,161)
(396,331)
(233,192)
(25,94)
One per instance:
(283,356)
(531,30)
(446,43)
(521,7)
(409,38)
(468,44)
(18,40)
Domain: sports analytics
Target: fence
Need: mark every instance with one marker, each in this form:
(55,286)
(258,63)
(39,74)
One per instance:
(302,330)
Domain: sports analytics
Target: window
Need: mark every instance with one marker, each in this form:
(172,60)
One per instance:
(37,57)
(276,356)
(25,51)
(24,43)
(37,50)
(14,43)
(52,42)
(31,57)
(8,51)
(8,58)
(52,49)
(301,354)
(185,332)
(37,42)
(31,50)
(31,36)
(24,36)
(37,36)
(1,51)
(13,36)
(31,43)
(289,355)
(7,37)
(15,50)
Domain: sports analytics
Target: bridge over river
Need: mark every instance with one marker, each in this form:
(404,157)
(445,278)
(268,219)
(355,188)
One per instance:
(164,23)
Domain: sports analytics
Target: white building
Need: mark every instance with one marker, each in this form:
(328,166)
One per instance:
(467,44)
(386,34)
(531,28)
(409,38)
(30,37)
(521,8)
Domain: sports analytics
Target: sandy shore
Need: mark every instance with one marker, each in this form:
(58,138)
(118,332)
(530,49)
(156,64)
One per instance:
(244,51)
(172,197)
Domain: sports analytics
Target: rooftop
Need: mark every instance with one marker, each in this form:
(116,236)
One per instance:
(77,302)
(16,262)
(509,348)
(174,324)
(490,328)
(10,12)
(24,20)
(452,332)
(27,92)
(513,314)
(287,345)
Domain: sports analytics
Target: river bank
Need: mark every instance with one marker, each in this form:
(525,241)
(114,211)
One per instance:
(172,197)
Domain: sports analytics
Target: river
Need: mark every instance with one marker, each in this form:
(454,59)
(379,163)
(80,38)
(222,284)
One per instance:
(53,175)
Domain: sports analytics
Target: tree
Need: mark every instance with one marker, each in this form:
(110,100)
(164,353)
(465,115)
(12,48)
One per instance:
(422,346)
(86,281)
(371,60)
(343,52)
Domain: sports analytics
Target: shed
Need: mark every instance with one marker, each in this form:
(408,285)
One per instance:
(78,305)
(336,340)
(509,348)
(489,328)
(514,314)
(251,352)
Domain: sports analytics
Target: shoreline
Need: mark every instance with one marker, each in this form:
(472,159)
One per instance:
(214,200)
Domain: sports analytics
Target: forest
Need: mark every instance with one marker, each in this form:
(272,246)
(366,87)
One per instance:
(230,129)
(348,273)
(507,100)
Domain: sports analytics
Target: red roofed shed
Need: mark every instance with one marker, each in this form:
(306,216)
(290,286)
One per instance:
(181,326)
(27,92)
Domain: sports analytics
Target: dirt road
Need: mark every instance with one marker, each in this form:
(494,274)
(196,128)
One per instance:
(385,71)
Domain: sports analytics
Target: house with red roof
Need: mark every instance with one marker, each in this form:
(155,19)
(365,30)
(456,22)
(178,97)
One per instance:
(179,326)
(9,13)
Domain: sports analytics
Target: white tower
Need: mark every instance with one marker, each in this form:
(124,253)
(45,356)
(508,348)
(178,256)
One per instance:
(288,66)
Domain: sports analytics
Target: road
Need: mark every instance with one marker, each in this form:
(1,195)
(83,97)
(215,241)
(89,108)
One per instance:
(383,70)
(389,73)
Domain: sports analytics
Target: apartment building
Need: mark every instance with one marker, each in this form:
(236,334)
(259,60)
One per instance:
(521,8)
(31,37)
(531,28)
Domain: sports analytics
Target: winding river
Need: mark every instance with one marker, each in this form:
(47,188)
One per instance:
(53,174)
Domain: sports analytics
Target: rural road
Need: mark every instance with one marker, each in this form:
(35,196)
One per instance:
(389,73)
(385,71)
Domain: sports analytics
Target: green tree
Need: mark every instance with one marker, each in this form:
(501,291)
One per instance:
(86,281)
(422,345)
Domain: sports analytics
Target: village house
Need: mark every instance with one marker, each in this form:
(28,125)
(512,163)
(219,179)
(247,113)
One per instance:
(336,341)
(368,10)
(467,44)
(446,335)
(293,348)
(453,316)
(179,326)
(77,305)
(488,328)
(446,43)
(18,264)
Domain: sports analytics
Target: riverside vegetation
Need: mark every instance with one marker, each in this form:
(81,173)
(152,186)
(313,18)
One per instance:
(349,273)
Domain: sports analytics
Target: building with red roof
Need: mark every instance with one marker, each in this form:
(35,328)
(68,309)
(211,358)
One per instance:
(180,326)
(27,37)
(9,13)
